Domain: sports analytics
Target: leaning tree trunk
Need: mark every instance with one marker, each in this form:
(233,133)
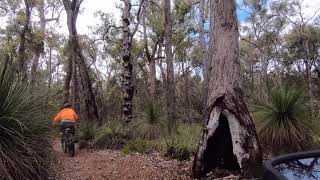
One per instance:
(72,10)
(229,139)
(172,124)
(127,75)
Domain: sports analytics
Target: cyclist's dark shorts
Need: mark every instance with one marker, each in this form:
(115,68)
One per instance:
(67,124)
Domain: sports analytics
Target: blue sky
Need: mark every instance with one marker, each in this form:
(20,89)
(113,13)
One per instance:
(242,15)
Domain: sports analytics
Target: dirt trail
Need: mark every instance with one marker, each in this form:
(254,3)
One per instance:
(107,164)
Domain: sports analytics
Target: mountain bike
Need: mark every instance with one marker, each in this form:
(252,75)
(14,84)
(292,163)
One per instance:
(68,137)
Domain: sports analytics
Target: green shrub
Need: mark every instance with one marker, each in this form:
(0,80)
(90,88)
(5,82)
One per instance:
(110,136)
(24,142)
(150,125)
(283,123)
(86,134)
(141,146)
(87,130)
(183,145)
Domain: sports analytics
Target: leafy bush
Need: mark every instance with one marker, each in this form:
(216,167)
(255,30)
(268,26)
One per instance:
(141,146)
(110,136)
(184,144)
(150,126)
(86,134)
(283,123)
(24,142)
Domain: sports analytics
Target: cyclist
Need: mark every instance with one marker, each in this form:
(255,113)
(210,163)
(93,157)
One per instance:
(67,117)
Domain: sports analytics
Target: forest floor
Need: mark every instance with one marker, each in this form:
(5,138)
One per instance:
(110,164)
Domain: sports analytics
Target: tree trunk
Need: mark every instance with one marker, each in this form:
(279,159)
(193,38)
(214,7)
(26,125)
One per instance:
(186,77)
(22,47)
(309,78)
(75,88)
(127,75)
(50,69)
(229,138)
(68,76)
(203,50)
(40,45)
(171,109)
(162,70)
(151,60)
(34,67)
(72,10)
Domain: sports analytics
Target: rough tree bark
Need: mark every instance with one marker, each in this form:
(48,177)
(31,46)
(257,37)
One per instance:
(127,75)
(229,138)
(68,76)
(22,47)
(170,89)
(72,10)
(75,88)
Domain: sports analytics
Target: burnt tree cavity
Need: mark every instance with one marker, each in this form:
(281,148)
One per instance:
(229,138)
(219,152)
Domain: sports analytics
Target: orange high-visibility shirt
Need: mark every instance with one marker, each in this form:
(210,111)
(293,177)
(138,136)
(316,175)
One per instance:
(66,114)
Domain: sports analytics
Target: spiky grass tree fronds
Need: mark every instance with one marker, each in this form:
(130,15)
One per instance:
(150,125)
(24,145)
(283,122)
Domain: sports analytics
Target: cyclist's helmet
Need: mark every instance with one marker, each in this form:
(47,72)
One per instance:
(66,105)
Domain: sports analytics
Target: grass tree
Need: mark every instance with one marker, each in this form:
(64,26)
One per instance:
(24,144)
(284,125)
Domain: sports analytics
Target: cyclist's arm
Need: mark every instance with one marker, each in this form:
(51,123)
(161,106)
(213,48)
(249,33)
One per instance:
(76,117)
(56,119)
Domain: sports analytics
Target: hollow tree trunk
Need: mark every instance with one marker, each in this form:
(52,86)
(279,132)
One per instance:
(171,109)
(22,47)
(229,138)
(127,75)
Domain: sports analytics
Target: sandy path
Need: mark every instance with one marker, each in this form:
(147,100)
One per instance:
(107,164)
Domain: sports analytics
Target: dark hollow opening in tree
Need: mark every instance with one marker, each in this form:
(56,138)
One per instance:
(219,151)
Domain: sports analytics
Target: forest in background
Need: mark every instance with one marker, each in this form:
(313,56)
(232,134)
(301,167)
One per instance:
(145,84)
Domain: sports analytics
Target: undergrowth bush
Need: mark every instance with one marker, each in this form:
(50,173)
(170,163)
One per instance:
(86,134)
(184,144)
(150,125)
(142,146)
(24,142)
(110,136)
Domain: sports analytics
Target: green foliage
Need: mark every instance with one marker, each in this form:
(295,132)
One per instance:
(150,125)
(184,144)
(24,142)
(283,124)
(110,136)
(86,134)
(141,146)
(87,130)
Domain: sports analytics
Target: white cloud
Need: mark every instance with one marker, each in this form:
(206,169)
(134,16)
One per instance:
(89,7)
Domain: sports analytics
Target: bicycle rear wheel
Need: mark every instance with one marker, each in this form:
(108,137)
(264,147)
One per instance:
(71,146)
